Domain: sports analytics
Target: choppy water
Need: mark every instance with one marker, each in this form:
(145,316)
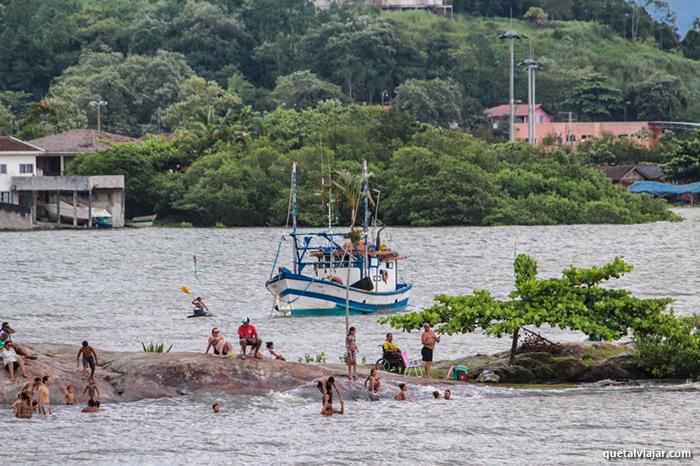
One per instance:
(119,288)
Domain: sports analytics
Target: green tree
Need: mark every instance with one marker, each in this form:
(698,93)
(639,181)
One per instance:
(683,155)
(594,98)
(197,97)
(691,42)
(536,15)
(673,351)
(6,120)
(303,89)
(576,301)
(437,102)
(134,87)
(659,97)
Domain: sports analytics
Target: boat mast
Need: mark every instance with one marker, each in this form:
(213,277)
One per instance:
(365,225)
(294,215)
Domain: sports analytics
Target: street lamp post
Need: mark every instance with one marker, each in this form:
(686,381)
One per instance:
(511,37)
(99,104)
(532,66)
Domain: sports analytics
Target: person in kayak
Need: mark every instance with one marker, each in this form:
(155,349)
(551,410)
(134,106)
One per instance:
(200,309)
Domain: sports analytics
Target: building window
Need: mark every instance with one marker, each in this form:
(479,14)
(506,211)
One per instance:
(3,168)
(26,168)
(6,196)
(571,138)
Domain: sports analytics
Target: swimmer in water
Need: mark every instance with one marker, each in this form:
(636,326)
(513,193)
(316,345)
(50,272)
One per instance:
(403,393)
(328,409)
(436,395)
(448,394)
(92,390)
(215,407)
(44,400)
(92,407)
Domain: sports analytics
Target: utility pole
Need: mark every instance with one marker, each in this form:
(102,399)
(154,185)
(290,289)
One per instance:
(99,104)
(532,66)
(511,37)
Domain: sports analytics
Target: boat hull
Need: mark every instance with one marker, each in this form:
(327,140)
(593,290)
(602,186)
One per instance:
(300,295)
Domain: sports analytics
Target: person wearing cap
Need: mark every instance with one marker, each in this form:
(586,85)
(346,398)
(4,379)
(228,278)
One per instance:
(248,336)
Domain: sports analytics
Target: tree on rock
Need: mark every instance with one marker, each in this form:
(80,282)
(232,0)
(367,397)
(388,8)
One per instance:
(576,301)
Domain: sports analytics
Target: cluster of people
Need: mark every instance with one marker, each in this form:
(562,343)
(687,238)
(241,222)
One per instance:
(34,397)
(248,339)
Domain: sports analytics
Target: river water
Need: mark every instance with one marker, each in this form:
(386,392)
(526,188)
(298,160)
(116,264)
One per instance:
(120,288)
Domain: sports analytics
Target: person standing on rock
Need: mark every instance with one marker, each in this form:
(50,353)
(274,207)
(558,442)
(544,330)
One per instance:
(428,339)
(248,336)
(89,359)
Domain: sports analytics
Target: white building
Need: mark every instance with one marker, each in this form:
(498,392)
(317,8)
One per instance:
(17,158)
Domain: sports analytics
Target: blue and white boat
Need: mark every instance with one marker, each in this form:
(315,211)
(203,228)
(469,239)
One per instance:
(325,262)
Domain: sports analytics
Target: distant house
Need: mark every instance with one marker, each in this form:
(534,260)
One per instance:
(500,114)
(626,175)
(573,133)
(30,193)
(17,158)
(60,149)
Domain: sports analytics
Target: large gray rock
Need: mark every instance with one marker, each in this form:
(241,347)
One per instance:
(514,374)
(568,368)
(621,367)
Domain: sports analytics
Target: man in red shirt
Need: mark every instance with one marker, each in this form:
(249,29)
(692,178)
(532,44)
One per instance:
(249,337)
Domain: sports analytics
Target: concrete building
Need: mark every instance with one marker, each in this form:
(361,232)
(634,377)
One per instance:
(565,133)
(60,149)
(29,199)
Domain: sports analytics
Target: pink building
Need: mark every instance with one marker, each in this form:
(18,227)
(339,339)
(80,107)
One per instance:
(575,132)
(501,113)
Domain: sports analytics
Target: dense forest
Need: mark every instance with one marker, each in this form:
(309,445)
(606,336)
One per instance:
(248,86)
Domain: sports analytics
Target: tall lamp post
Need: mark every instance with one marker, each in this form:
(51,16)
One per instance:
(99,104)
(532,66)
(511,37)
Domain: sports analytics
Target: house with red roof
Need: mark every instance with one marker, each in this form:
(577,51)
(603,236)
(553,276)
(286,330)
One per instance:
(500,114)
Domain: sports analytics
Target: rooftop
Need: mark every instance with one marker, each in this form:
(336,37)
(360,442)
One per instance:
(10,144)
(521,110)
(80,140)
(617,172)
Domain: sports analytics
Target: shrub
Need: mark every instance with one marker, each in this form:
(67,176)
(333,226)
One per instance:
(155,348)
(673,352)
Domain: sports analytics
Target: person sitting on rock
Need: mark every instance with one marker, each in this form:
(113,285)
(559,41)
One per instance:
(372,383)
(219,346)
(328,410)
(248,336)
(92,407)
(200,309)
(392,353)
(271,348)
(6,336)
(11,361)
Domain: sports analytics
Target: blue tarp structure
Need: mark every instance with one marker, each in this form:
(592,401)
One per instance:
(661,189)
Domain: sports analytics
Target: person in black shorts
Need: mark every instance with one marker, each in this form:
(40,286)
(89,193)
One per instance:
(326,385)
(428,338)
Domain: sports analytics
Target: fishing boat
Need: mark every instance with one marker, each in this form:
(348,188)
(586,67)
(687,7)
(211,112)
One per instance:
(100,217)
(337,273)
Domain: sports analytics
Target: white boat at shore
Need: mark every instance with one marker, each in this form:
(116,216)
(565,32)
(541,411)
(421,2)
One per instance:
(144,221)
(82,213)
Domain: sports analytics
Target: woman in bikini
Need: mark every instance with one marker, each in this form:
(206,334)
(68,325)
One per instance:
(217,344)
(373,384)
(351,347)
